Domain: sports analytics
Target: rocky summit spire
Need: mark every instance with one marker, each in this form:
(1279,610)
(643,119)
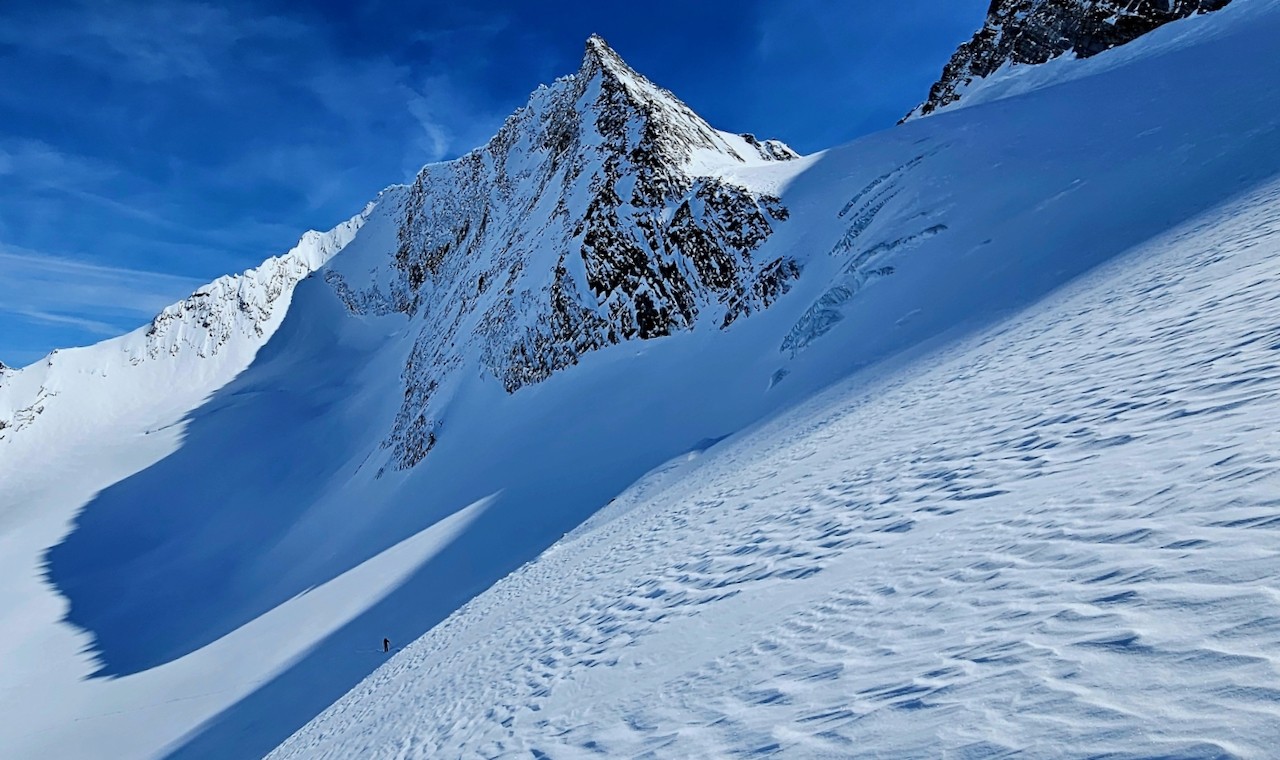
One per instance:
(598,56)
(1036,31)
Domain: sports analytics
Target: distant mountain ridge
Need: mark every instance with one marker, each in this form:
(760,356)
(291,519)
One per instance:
(1036,31)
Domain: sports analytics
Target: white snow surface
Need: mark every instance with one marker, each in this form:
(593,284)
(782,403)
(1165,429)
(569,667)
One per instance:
(998,475)
(1058,538)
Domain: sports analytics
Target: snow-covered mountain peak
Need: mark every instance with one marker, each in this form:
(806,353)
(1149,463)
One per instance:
(602,211)
(618,96)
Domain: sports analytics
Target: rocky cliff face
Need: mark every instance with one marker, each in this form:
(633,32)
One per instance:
(1035,31)
(599,213)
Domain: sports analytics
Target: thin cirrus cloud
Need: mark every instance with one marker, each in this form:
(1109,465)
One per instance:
(141,42)
(158,146)
(41,292)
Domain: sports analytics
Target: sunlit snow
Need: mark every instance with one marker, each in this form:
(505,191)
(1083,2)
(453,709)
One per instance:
(998,475)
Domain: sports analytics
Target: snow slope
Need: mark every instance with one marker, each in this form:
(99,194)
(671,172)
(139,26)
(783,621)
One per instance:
(1053,538)
(1057,538)
(204,559)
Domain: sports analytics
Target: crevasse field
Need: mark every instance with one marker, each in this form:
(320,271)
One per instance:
(999,476)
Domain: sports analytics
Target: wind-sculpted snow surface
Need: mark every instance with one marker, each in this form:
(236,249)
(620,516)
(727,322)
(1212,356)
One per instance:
(1059,538)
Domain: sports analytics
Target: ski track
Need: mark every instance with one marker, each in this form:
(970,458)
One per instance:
(1059,539)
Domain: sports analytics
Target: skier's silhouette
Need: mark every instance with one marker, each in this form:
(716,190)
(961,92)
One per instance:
(386,645)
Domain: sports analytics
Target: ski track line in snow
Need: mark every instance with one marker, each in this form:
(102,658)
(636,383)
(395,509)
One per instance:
(1063,538)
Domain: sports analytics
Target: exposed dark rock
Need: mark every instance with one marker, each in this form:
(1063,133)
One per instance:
(1036,31)
(771,149)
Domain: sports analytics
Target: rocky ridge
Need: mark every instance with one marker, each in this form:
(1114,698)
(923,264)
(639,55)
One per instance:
(1036,31)
(242,304)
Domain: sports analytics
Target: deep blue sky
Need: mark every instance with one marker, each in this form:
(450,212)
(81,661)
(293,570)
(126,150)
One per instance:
(146,148)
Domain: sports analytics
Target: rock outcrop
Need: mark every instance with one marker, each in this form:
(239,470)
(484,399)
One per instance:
(1036,31)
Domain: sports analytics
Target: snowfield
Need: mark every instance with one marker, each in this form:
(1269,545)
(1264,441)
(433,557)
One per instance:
(996,473)
(1061,538)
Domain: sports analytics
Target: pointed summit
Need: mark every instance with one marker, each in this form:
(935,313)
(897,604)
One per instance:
(599,56)
(603,213)
(669,127)
(599,52)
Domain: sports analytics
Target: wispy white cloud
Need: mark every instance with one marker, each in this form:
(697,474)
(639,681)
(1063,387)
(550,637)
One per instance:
(449,119)
(44,165)
(200,140)
(88,325)
(49,302)
(55,288)
(146,42)
(435,139)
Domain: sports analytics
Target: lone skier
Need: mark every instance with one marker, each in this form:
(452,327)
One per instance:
(386,645)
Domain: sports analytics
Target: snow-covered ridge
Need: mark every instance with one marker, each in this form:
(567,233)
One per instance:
(244,304)
(1030,32)
(234,313)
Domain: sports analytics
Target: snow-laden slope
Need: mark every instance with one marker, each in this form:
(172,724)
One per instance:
(85,418)
(1055,538)
(225,565)
(1058,538)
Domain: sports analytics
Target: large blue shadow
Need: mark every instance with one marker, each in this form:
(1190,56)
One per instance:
(158,565)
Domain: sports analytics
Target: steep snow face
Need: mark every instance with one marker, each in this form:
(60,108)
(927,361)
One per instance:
(1035,31)
(603,211)
(1052,538)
